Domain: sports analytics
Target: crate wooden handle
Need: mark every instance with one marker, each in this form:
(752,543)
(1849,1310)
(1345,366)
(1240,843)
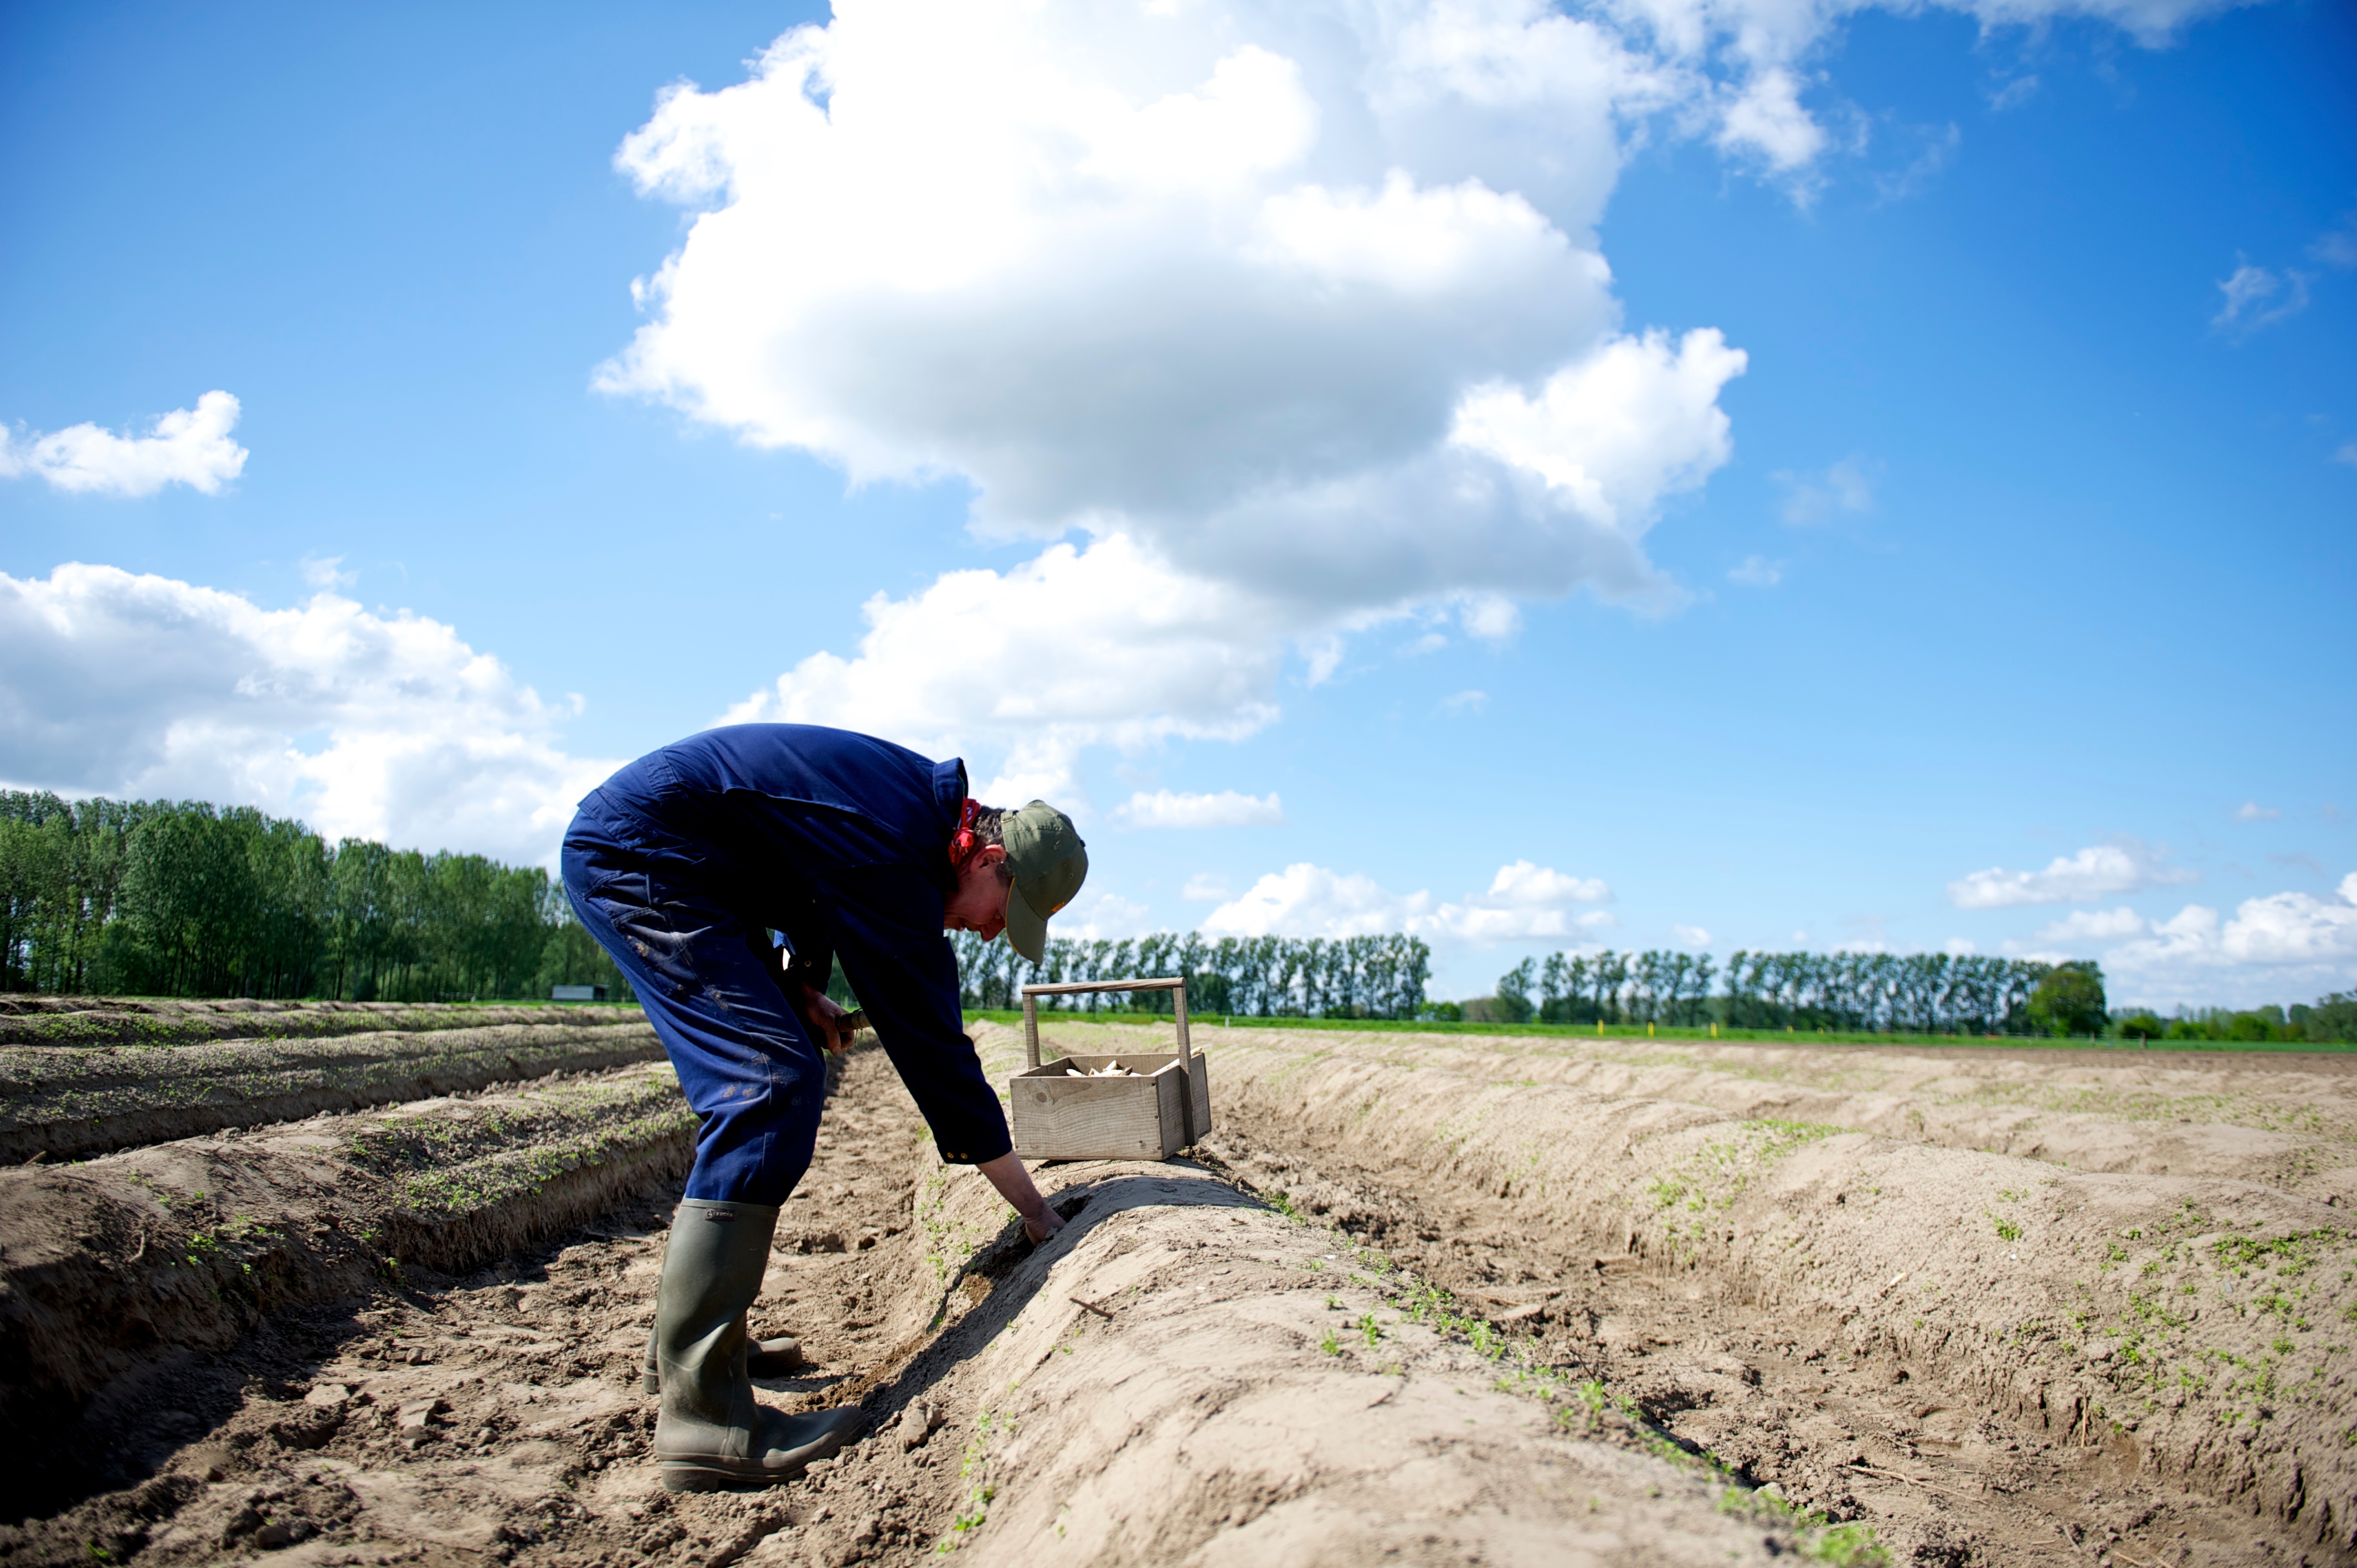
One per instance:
(1175,984)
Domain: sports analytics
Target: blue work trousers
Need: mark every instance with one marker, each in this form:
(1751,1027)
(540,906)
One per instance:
(711,986)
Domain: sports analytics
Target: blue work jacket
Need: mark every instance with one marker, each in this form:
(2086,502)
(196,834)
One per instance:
(839,842)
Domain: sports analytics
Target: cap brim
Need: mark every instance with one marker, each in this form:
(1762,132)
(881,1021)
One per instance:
(1027,929)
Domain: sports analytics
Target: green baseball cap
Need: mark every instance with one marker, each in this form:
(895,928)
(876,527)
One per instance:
(1050,863)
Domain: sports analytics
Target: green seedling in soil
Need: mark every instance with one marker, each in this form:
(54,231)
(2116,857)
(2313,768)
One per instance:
(2290,1256)
(977,1514)
(1330,1345)
(1846,1546)
(1368,1327)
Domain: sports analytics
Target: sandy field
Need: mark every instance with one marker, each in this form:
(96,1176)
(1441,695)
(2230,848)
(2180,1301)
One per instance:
(350,1288)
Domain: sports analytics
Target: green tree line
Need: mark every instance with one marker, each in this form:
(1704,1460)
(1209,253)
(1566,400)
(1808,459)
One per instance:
(1929,994)
(1347,977)
(164,898)
(2331,1017)
(1916,992)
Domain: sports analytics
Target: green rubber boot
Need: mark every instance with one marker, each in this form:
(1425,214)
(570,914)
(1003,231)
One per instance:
(763,1359)
(712,1432)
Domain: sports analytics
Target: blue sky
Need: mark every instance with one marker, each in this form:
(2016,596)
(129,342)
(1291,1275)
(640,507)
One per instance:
(1998,594)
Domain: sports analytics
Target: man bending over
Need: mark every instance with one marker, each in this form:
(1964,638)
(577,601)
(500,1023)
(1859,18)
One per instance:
(852,848)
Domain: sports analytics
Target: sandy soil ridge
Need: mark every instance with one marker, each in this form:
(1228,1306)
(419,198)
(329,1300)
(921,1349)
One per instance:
(2202,1324)
(1186,1376)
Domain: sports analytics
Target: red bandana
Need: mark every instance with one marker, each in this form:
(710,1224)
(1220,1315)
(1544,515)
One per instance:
(961,843)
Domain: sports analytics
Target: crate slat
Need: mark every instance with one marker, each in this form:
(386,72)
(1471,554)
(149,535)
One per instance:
(1057,1117)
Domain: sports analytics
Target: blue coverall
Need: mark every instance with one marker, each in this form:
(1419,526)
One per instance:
(683,863)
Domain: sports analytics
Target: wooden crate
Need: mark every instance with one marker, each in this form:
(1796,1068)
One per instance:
(1055,1116)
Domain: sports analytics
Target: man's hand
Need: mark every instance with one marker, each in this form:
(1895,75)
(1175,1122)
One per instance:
(1014,1184)
(825,1021)
(1045,1224)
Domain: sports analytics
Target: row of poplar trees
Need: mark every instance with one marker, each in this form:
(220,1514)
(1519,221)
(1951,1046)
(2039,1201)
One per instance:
(1931,993)
(160,898)
(1384,977)
(1312,977)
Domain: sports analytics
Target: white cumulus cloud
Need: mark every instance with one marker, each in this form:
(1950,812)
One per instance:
(1295,314)
(1305,900)
(186,446)
(1179,808)
(2303,936)
(2093,926)
(1765,118)
(1102,916)
(1115,649)
(1197,279)
(2252,812)
(364,724)
(1301,313)
(1691,936)
(2125,866)
(1523,885)
(1524,899)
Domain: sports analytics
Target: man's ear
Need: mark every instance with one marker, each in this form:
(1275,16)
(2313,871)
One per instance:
(991,854)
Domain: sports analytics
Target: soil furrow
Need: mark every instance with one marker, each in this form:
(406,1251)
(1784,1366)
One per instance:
(430,1419)
(74,1104)
(2283,1119)
(115,1021)
(117,1267)
(66,1104)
